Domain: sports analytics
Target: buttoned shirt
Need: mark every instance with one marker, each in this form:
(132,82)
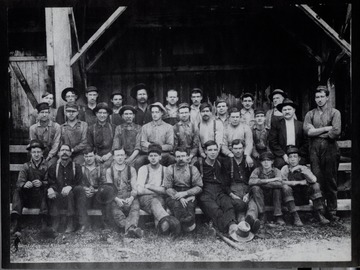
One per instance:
(171,116)
(120,178)
(247,116)
(142,117)
(290,132)
(242,132)
(92,176)
(49,135)
(260,138)
(127,136)
(65,176)
(90,117)
(237,172)
(100,137)
(186,135)
(259,173)
(195,116)
(157,132)
(225,122)
(287,173)
(31,171)
(75,136)
(179,177)
(149,175)
(208,132)
(318,118)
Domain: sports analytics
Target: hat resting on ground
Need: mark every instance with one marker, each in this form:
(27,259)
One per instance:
(266,156)
(159,105)
(243,233)
(35,144)
(127,108)
(42,106)
(286,102)
(106,193)
(277,91)
(140,86)
(66,90)
(103,105)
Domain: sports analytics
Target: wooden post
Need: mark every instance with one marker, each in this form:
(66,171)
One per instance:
(58,37)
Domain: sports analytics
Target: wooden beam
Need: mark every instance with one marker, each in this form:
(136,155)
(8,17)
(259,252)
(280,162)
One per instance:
(97,34)
(327,28)
(26,58)
(20,76)
(49,36)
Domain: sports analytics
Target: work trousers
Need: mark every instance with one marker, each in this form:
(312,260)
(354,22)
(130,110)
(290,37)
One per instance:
(256,203)
(126,215)
(153,204)
(31,197)
(74,203)
(217,205)
(180,212)
(267,196)
(324,160)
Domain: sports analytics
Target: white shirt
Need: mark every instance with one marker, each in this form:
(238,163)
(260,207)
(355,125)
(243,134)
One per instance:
(290,131)
(154,177)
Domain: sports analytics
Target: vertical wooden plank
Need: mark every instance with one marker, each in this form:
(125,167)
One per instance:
(49,36)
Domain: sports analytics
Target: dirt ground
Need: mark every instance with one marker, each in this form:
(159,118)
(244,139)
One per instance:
(274,243)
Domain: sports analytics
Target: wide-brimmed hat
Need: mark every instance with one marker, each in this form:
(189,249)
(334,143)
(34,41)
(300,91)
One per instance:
(103,105)
(35,144)
(155,148)
(66,90)
(292,149)
(106,193)
(159,105)
(266,156)
(126,108)
(277,91)
(247,95)
(42,106)
(286,102)
(243,232)
(133,91)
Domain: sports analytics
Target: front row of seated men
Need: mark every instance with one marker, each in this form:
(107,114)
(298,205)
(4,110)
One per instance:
(225,189)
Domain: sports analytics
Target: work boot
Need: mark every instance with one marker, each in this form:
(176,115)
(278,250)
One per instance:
(297,220)
(55,223)
(134,232)
(321,218)
(254,223)
(43,223)
(70,225)
(332,216)
(82,229)
(280,221)
(15,224)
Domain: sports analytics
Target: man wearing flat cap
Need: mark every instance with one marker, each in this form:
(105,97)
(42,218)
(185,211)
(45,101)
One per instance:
(46,131)
(247,111)
(91,94)
(100,136)
(116,100)
(287,131)
(222,111)
(323,126)
(186,134)
(31,186)
(127,135)
(141,93)
(196,98)
(69,95)
(157,131)
(260,134)
(49,98)
(151,192)
(74,132)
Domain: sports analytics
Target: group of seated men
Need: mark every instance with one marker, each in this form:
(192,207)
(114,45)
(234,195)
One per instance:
(231,164)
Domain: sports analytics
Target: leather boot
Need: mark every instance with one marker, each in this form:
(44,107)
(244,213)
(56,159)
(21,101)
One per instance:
(70,225)
(297,220)
(321,218)
(55,223)
(43,223)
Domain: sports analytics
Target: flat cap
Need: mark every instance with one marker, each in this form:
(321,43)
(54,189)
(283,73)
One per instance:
(35,144)
(196,90)
(102,105)
(259,111)
(71,105)
(46,94)
(154,148)
(266,156)
(183,105)
(159,105)
(92,89)
(247,95)
(205,105)
(42,106)
(292,149)
(127,108)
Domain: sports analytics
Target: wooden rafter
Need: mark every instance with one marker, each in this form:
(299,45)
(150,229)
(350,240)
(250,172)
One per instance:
(327,28)
(97,34)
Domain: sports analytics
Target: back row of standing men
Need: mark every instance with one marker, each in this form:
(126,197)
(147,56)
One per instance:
(101,129)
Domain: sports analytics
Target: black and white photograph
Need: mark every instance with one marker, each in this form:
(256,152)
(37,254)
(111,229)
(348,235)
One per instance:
(183,132)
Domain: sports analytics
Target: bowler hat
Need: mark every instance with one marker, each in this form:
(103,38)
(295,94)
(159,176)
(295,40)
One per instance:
(286,102)
(159,105)
(127,108)
(66,90)
(116,92)
(42,106)
(243,233)
(35,144)
(140,86)
(205,105)
(247,95)
(292,149)
(106,193)
(183,105)
(102,105)
(266,156)
(154,148)
(92,89)
(277,91)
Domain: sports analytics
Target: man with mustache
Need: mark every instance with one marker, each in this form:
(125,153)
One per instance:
(285,132)
(65,190)
(323,126)
(142,94)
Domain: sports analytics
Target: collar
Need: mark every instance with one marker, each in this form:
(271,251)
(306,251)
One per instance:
(77,123)
(116,110)
(65,163)
(85,166)
(100,125)
(243,111)
(40,163)
(271,171)
(291,120)
(87,106)
(324,108)
(193,107)
(128,125)
(153,123)
(258,128)
(139,109)
(218,118)
(167,106)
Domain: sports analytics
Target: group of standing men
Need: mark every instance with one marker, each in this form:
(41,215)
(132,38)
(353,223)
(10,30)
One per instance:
(152,157)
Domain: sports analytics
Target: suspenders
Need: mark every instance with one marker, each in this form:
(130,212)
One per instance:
(190,167)
(57,168)
(148,173)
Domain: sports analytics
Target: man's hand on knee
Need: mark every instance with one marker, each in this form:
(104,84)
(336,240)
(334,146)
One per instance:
(51,193)
(66,190)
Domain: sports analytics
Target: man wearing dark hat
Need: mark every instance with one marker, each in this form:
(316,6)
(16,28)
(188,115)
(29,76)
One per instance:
(48,98)
(222,111)
(66,190)
(300,185)
(323,126)
(157,131)
(260,134)
(237,130)
(31,186)
(100,135)
(69,94)
(74,132)
(46,131)
(183,182)
(142,94)
(151,191)
(209,129)
(116,99)
(171,116)
(287,131)
(125,206)
(196,98)
(91,94)
(186,134)
(127,135)
(247,111)
(266,181)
